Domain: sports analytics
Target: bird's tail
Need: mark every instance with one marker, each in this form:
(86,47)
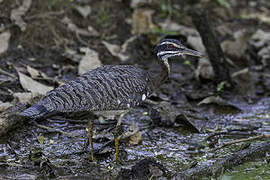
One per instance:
(34,112)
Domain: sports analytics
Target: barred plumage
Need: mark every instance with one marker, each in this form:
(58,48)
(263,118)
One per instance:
(111,87)
(108,87)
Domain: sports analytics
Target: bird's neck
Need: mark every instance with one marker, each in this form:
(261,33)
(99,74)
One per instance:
(161,77)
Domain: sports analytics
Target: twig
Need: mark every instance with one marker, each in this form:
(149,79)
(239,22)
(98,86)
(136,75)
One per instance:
(54,130)
(7,73)
(262,136)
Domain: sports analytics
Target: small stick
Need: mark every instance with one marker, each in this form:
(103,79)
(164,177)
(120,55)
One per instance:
(262,136)
(54,130)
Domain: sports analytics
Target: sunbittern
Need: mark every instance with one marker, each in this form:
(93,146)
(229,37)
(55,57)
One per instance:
(110,87)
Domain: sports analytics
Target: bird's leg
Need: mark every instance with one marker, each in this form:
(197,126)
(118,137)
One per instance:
(90,140)
(116,135)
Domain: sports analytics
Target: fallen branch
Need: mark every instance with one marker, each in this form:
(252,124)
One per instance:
(216,168)
(262,136)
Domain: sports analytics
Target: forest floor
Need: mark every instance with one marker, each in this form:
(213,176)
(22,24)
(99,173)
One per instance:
(43,44)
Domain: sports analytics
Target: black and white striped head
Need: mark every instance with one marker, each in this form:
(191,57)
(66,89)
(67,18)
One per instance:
(168,48)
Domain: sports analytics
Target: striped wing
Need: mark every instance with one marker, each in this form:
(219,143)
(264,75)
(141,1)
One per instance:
(105,88)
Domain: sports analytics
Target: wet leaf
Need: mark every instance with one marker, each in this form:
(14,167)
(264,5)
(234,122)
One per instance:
(89,61)
(33,86)
(221,102)
(17,14)
(213,100)
(84,11)
(4,41)
(188,124)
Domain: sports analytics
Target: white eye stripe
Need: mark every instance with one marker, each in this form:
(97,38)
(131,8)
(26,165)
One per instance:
(167,52)
(176,45)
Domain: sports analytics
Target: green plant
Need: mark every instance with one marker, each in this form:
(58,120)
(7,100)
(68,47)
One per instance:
(224,3)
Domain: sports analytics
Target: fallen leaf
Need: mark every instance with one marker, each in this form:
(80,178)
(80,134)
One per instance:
(84,11)
(113,48)
(24,97)
(93,31)
(4,41)
(74,28)
(120,51)
(33,72)
(89,61)
(136,138)
(204,70)
(72,55)
(5,106)
(221,102)
(142,21)
(16,14)
(33,86)
(213,99)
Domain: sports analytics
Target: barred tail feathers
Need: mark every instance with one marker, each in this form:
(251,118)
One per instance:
(34,112)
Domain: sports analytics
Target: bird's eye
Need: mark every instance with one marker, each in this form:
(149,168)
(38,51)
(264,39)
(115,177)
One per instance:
(171,46)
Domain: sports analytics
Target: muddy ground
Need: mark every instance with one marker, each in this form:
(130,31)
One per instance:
(53,41)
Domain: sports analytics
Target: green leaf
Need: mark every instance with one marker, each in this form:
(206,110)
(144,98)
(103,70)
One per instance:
(224,3)
(220,86)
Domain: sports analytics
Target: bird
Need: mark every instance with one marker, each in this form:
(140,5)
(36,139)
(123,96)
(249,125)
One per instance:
(109,87)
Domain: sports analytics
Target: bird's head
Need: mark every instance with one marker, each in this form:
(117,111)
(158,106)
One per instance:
(168,48)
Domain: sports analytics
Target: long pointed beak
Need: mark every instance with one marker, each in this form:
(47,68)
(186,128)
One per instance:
(190,52)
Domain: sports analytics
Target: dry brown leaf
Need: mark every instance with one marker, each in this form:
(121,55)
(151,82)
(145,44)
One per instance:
(16,14)
(4,41)
(33,86)
(136,138)
(89,61)
(142,21)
